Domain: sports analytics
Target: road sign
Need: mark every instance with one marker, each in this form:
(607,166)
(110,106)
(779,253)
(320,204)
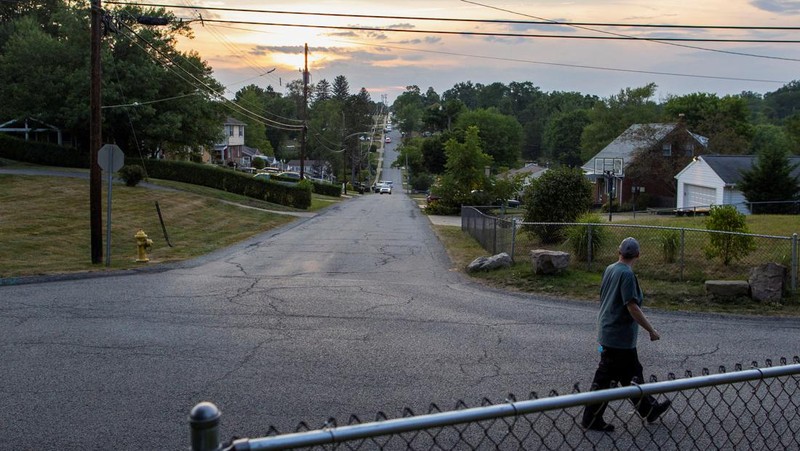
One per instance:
(110,158)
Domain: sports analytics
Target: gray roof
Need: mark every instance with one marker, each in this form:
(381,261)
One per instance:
(233,121)
(637,136)
(730,167)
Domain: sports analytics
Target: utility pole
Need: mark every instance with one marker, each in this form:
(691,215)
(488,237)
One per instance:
(95,181)
(305,116)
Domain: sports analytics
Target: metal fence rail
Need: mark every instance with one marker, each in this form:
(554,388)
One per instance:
(668,253)
(745,409)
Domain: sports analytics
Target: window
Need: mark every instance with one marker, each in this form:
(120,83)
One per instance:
(688,149)
(230,130)
(241,130)
(666,149)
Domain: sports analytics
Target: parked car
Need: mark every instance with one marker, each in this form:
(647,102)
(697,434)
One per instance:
(388,139)
(431,198)
(386,189)
(262,176)
(290,175)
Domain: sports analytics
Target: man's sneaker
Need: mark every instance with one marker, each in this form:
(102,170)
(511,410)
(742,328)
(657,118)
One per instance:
(657,410)
(601,426)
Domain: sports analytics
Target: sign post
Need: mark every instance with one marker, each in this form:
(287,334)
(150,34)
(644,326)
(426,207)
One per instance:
(111,159)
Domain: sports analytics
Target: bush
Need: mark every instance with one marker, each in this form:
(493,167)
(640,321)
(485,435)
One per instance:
(579,237)
(728,247)
(421,181)
(131,174)
(42,153)
(670,242)
(559,195)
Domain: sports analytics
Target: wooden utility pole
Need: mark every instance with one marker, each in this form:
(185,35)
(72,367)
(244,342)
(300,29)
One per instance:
(305,116)
(95,181)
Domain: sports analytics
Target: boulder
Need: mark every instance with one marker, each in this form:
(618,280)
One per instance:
(501,260)
(549,262)
(727,289)
(768,282)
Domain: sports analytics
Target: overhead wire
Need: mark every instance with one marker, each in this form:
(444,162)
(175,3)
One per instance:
(211,91)
(664,41)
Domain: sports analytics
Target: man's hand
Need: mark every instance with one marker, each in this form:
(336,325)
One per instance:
(654,335)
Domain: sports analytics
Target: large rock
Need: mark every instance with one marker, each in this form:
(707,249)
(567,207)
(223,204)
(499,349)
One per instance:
(501,260)
(549,262)
(768,282)
(727,289)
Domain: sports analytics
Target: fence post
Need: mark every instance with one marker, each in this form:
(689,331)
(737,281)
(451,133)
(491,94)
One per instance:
(513,236)
(204,424)
(589,248)
(683,246)
(494,235)
(794,262)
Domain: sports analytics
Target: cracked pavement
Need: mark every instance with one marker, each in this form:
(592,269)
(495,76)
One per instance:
(354,311)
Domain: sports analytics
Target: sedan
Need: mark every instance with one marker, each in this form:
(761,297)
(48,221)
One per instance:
(386,189)
(388,139)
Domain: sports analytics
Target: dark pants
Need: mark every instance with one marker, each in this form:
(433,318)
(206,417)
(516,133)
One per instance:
(621,365)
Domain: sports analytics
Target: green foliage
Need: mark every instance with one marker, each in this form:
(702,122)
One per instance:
(464,172)
(293,195)
(583,238)
(728,247)
(670,243)
(562,137)
(421,181)
(258,163)
(131,174)
(42,153)
(500,135)
(771,177)
(560,195)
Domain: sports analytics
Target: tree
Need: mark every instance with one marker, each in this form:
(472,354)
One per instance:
(728,246)
(560,195)
(252,98)
(614,115)
(562,137)
(771,178)
(341,88)
(501,135)
(464,173)
(322,91)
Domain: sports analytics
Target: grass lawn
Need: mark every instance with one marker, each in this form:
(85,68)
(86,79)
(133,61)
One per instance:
(44,223)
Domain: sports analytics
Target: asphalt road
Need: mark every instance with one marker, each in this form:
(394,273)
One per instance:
(354,311)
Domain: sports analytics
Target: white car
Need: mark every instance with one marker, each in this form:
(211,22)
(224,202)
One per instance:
(385,189)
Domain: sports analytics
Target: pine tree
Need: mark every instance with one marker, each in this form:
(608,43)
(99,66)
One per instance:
(771,178)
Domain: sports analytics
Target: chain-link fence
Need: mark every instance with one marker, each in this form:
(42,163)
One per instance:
(668,253)
(748,409)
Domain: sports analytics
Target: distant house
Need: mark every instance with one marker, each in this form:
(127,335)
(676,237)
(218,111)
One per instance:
(231,150)
(318,169)
(666,146)
(529,172)
(711,180)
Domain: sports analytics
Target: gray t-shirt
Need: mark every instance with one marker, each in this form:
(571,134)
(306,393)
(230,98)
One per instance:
(617,328)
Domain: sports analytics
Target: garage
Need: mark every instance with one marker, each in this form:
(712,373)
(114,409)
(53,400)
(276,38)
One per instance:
(698,196)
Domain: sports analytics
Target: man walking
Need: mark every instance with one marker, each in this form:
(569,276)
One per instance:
(619,321)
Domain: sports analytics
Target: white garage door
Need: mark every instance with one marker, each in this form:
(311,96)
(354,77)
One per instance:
(699,196)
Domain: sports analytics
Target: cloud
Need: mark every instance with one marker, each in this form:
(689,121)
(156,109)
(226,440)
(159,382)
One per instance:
(778,6)
(428,40)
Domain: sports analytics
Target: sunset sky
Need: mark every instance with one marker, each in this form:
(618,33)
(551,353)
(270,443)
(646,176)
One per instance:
(385,61)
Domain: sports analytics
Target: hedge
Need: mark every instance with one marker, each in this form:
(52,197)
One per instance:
(227,180)
(42,153)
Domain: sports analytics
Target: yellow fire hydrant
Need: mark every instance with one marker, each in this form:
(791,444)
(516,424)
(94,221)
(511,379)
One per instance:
(142,245)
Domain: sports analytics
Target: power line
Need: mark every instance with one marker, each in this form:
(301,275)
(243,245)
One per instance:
(654,40)
(615,37)
(541,21)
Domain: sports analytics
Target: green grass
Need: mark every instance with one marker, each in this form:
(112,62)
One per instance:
(579,284)
(44,223)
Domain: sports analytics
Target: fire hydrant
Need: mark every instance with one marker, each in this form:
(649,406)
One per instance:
(142,245)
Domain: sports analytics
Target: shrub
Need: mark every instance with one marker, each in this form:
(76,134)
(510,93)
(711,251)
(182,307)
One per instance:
(728,247)
(559,195)
(670,242)
(131,174)
(582,237)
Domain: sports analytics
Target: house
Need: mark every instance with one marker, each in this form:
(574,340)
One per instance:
(529,172)
(318,169)
(231,150)
(643,159)
(711,180)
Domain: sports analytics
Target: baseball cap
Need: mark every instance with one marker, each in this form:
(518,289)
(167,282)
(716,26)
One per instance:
(629,248)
